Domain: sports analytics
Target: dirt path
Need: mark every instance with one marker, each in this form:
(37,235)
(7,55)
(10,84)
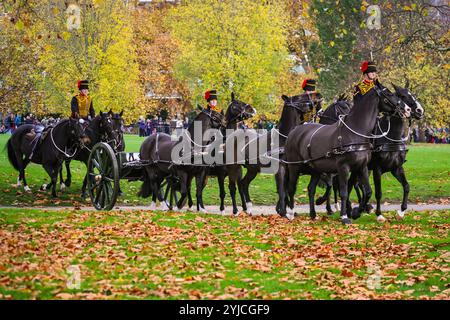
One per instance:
(257,210)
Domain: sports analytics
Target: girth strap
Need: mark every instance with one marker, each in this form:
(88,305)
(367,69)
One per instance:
(390,147)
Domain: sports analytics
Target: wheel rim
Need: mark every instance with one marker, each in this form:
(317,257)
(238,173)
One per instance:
(103,177)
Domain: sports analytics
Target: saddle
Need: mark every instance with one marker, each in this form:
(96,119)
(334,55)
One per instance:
(36,136)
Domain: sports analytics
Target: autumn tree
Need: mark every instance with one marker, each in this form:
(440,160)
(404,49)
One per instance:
(17,57)
(334,56)
(237,45)
(92,40)
(156,52)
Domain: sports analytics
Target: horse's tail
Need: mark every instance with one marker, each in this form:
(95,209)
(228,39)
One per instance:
(146,189)
(12,155)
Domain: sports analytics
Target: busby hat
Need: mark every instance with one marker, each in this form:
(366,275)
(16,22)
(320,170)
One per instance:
(211,95)
(368,66)
(83,84)
(309,85)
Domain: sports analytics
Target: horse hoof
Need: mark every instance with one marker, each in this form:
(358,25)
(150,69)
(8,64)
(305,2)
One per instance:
(62,187)
(202,210)
(400,214)
(330,212)
(346,221)
(369,209)
(355,213)
(68,183)
(164,206)
(43,187)
(249,208)
(289,216)
(313,216)
(381,219)
(152,206)
(222,212)
(27,189)
(337,206)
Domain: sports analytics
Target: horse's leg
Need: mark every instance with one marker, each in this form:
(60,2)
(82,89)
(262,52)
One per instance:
(200,182)
(156,185)
(366,192)
(343,171)
(351,182)
(399,174)
(280,182)
(336,191)
(378,192)
(68,181)
(233,175)
(241,190)
(311,192)
(22,173)
(189,195)
(320,200)
(221,182)
(53,176)
(328,196)
(293,171)
(249,176)
(184,191)
(62,185)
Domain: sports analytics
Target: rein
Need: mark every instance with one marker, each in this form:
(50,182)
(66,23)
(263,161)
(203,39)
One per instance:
(59,149)
(382,135)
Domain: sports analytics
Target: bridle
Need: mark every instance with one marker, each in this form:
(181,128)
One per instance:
(382,95)
(243,114)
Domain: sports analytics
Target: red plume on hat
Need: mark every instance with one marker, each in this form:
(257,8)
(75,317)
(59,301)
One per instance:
(78,84)
(364,66)
(207,95)
(304,83)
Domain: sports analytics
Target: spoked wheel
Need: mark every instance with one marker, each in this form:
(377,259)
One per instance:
(103,177)
(172,191)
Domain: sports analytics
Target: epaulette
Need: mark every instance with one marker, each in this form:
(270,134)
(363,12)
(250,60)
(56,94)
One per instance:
(365,87)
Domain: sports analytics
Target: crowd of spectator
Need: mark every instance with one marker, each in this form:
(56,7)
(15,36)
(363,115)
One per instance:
(148,126)
(437,135)
(11,121)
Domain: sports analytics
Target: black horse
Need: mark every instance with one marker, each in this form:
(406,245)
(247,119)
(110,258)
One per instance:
(157,149)
(59,142)
(389,152)
(118,129)
(237,112)
(330,116)
(340,148)
(293,112)
(99,129)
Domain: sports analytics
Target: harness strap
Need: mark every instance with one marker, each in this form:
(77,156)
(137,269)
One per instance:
(310,140)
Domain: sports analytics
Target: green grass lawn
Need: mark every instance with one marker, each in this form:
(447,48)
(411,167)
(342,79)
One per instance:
(427,169)
(155,255)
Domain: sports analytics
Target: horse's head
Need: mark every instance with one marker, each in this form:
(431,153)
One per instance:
(116,121)
(117,126)
(298,104)
(390,103)
(106,128)
(238,111)
(409,99)
(76,130)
